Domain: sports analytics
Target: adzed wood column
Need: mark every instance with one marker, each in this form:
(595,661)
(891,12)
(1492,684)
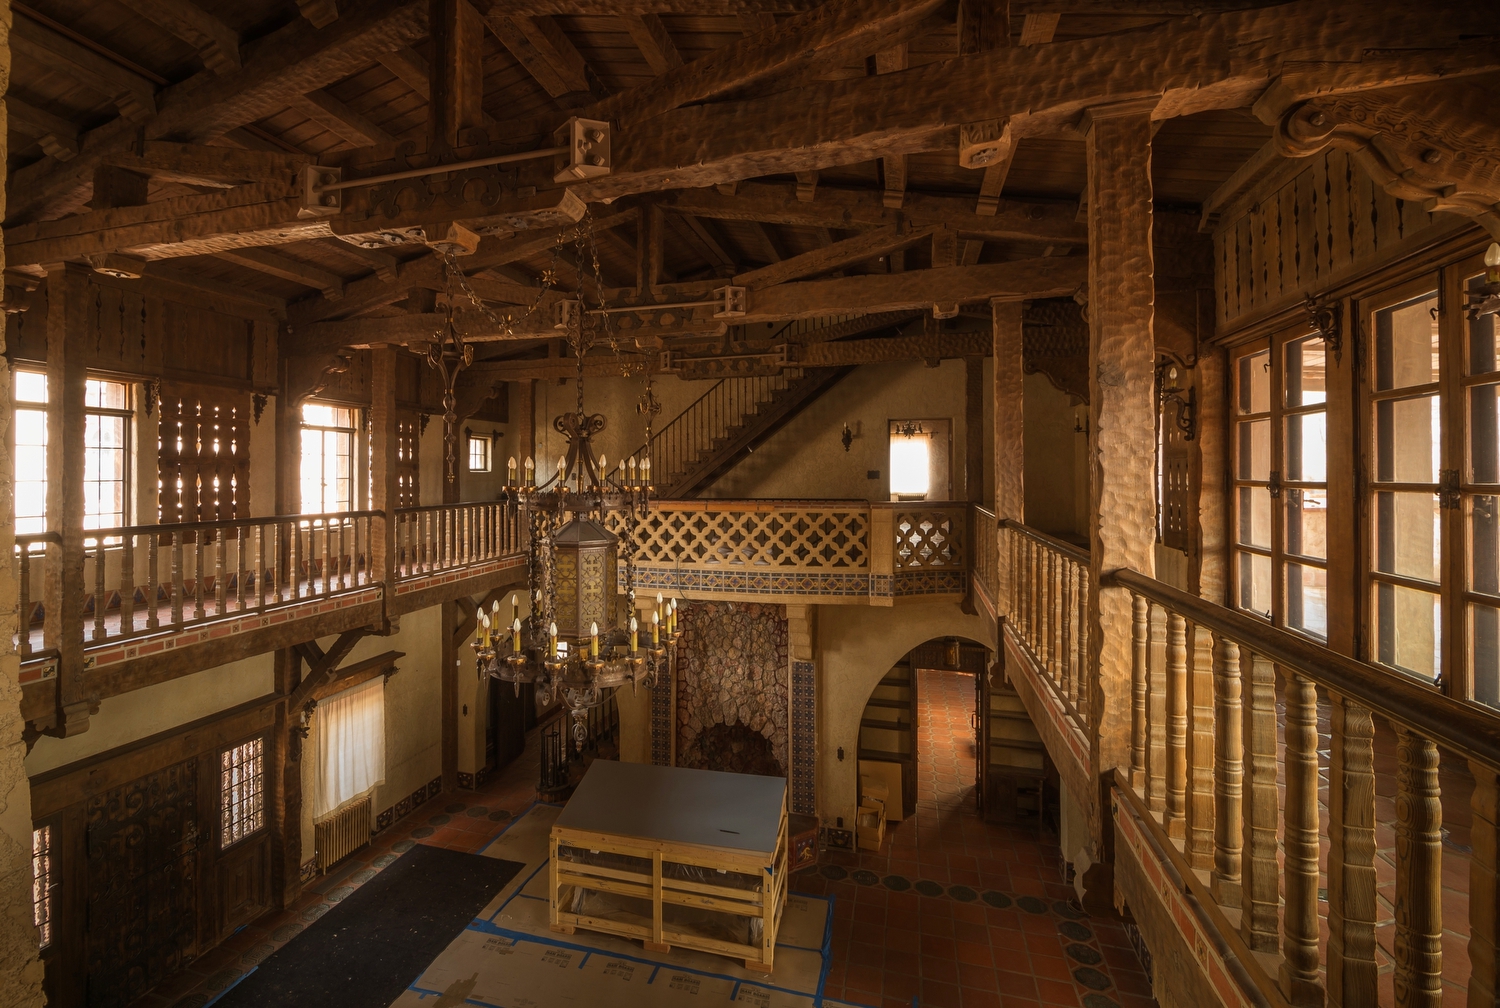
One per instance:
(457,82)
(285,774)
(383,489)
(1009,420)
(1351,964)
(974,489)
(1122,460)
(63,589)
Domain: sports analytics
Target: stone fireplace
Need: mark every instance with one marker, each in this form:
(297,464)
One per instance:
(732,688)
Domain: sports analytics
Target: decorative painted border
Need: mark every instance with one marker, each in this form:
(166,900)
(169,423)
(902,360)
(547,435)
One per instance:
(452,574)
(804,741)
(1204,951)
(661,716)
(656,577)
(930,582)
(136,647)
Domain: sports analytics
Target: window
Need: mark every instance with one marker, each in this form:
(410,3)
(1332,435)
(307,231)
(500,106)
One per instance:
(919,459)
(479,453)
(327,459)
(1480,500)
(41,883)
(1406,424)
(351,746)
(241,791)
(408,460)
(1281,482)
(203,459)
(31,452)
(106,453)
(106,446)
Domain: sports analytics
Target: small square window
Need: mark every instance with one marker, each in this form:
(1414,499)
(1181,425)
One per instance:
(242,791)
(479,453)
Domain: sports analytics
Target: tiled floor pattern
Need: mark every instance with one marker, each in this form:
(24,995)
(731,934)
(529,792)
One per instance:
(951,913)
(954,912)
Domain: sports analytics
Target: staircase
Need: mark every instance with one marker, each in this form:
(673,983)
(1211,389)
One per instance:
(730,420)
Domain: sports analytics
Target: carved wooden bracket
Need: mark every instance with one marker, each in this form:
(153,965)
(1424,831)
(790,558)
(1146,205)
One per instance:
(1324,318)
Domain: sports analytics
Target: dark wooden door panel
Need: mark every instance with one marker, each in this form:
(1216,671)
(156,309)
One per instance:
(142,917)
(244,883)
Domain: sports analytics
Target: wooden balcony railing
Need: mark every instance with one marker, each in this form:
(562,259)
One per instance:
(1044,597)
(443,537)
(1203,776)
(771,535)
(984,558)
(146,579)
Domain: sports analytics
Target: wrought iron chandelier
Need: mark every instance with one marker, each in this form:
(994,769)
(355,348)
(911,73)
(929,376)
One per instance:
(581,638)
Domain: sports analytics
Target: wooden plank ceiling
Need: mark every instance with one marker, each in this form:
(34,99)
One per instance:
(322,80)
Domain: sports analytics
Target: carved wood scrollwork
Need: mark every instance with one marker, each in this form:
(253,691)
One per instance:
(1055,343)
(1325,318)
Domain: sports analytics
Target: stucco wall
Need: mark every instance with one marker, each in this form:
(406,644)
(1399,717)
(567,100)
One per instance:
(616,398)
(1056,460)
(856,647)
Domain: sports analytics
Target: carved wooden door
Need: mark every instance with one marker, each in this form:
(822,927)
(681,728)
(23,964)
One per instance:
(142,919)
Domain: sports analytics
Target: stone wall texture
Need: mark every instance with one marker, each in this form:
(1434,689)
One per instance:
(732,684)
(20,967)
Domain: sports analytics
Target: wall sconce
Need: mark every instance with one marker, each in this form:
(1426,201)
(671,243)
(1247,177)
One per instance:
(1484,299)
(847,437)
(1081,424)
(1186,400)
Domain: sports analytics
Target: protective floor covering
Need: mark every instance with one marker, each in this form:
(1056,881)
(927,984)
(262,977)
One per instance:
(368,948)
(508,958)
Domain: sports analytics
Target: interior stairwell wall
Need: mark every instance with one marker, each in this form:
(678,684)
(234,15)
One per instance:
(616,398)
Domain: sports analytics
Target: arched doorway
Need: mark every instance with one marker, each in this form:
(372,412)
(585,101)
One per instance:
(918,739)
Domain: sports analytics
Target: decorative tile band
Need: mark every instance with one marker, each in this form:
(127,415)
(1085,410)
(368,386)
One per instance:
(662,718)
(804,737)
(812,584)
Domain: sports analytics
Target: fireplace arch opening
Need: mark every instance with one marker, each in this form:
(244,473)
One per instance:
(733,748)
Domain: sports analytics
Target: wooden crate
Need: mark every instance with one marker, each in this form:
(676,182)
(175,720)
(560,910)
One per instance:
(656,886)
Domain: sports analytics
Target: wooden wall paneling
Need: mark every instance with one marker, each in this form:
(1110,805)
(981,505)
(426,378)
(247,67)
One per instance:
(204,460)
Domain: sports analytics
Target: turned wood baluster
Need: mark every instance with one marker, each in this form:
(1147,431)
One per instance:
(101,598)
(1260,876)
(1084,684)
(241,540)
(260,566)
(1052,604)
(1419,866)
(127,584)
(1199,845)
(1140,616)
(198,586)
(330,580)
(153,582)
(1299,938)
(295,575)
(1175,819)
(1156,709)
(177,578)
(1351,855)
(1484,888)
(1229,772)
(23,627)
(1065,611)
(220,597)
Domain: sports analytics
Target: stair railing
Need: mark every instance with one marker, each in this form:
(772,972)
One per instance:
(697,430)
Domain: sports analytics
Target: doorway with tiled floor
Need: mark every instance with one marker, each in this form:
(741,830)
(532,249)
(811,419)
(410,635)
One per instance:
(951,912)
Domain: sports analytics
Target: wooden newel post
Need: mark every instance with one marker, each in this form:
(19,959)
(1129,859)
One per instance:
(1484,888)
(1299,938)
(1122,450)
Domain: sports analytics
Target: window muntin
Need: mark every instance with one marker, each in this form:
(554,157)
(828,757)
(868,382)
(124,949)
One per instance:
(106,452)
(41,883)
(31,452)
(241,791)
(1406,534)
(479,453)
(1479,503)
(327,473)
(1281,482)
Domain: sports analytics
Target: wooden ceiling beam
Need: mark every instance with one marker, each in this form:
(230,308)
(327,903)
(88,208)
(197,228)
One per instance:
(320,13)
(709,243)
(413,69)
(1219,61)
(769,241)
(161,158)
(861,248)
(776,203)
(774,51)
(1037,29)
(893,167)
(650,35)
(456,96)
(336,117)
(928,346)
(58,137)
(544,49)
(216,42)
(133,95)
(382,263)
(982,25)
(286,268)
(289,62)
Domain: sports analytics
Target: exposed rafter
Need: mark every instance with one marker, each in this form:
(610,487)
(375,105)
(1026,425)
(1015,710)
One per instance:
(216,42)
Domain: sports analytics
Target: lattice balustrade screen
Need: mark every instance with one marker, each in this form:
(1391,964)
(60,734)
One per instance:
(408,459)
(795,538)
(204,453)
(929,539)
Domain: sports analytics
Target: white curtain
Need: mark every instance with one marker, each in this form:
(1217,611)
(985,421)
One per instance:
(351,745)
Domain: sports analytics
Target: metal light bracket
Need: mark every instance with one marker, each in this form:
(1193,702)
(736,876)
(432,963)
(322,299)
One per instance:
(587,142)
(320,198)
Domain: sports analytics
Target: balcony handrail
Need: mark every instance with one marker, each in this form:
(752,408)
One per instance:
(168,528)
(1062,546)
(1453,724)
(430,508)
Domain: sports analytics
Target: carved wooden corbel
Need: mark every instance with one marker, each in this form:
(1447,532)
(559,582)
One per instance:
(1324,318)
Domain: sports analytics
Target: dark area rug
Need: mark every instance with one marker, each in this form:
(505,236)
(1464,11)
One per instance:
(373,944)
